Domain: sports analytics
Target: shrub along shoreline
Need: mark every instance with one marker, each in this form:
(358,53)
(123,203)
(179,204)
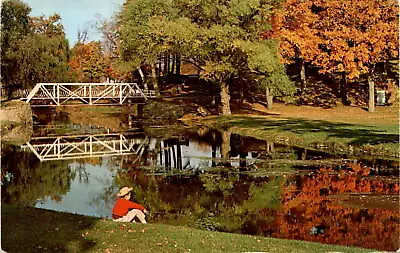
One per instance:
(27,229)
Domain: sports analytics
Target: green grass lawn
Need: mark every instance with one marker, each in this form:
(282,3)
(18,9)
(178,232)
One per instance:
(335,137)
(36,230)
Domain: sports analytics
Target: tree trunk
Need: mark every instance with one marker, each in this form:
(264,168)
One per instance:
(165,73)
(241,92)
(342,90)
(168,64)
(269,97)
(155,79)
(178,64)
(9,92)
(213,155)
(173,64)
(225,98)
(371,95)
(226,147)
(179,154)
(174,156)
(161,154)
(143,78)
(270,147)
(166,155)
(159,66)
(303,77)
(242,160)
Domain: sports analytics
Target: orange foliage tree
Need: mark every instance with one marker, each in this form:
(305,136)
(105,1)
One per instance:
(339,36)
(48,26)
(87,62)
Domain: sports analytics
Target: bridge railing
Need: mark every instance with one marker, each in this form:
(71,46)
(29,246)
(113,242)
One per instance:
(88,93)
(85,146)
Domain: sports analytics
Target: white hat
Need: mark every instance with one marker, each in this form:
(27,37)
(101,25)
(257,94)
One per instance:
(124,190)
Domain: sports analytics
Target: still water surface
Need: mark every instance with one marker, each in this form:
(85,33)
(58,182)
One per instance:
(210,180)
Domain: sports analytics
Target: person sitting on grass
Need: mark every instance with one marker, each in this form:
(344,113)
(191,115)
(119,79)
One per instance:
(126,210)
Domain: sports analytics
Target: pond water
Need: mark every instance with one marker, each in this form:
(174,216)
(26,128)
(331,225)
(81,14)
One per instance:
(208,179)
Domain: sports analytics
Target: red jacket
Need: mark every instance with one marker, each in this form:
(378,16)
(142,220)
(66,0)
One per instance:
(122,207)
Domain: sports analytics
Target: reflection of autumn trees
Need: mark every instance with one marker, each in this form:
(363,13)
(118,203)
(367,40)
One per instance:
(306,206)
(274,206)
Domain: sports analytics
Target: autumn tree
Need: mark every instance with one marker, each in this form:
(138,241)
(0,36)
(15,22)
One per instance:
(47,26)
(87,62)
(298,38)
(345,38)
(222,37)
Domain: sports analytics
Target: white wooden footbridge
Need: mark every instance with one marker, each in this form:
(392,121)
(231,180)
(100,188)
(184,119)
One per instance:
(87,93)
(85,146)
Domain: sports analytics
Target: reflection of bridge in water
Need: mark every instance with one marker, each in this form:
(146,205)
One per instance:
(88,93)
(138,149)
(85,146)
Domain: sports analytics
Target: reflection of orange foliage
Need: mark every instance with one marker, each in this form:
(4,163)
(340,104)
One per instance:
(56,198)
(91,160)
(305,206)
(114,73)
(357,168)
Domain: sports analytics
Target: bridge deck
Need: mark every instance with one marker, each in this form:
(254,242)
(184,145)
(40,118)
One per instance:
(88,93)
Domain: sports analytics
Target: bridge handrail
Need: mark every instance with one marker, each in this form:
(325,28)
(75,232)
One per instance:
(88,93)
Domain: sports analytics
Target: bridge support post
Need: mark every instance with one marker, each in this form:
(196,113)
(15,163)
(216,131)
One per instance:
(120,94)
(90,94)
(58,94)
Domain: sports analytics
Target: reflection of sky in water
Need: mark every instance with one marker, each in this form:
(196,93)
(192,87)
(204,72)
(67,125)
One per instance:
(96,195)
(86,197)
(197,155)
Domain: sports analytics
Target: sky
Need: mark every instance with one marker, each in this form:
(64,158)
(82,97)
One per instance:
(77,14)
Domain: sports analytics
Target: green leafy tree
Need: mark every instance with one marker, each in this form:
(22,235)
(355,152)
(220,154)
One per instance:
(14,27)
(39,59)
(222,37)
(34,49)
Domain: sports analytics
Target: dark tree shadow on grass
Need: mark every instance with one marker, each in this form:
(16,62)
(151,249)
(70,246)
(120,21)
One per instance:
(28,229)
(358,135)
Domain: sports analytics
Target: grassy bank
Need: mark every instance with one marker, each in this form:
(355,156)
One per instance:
(353,137)
(36,230)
